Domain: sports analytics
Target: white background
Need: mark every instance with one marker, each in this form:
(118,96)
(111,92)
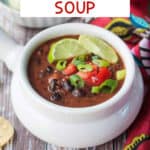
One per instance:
(103,8)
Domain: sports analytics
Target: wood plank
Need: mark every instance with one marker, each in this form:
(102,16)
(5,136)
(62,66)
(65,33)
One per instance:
(118,143)
(23,140)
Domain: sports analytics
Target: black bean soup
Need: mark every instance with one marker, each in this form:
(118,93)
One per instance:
(74,82)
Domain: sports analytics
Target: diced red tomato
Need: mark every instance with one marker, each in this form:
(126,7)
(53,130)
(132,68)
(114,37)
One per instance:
(70,69)
(104,74)
(95,78)
(86,75)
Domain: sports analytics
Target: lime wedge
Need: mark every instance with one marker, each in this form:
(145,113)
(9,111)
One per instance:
(64,49)
(98,47)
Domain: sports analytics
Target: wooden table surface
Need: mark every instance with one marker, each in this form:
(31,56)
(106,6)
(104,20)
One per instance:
(23,139)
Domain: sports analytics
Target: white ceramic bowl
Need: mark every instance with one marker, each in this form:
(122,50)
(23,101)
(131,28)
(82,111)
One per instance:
(77,127)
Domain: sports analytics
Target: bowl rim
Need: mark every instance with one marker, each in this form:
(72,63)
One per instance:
(25,84)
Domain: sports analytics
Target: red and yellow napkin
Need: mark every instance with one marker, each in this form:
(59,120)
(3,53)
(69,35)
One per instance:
(138,137)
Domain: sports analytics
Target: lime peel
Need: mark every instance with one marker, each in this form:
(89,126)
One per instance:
(64,49)
(99,47)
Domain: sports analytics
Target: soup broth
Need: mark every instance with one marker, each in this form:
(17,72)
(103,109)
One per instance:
(77,81)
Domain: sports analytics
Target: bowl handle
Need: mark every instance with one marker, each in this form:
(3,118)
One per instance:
(9,51)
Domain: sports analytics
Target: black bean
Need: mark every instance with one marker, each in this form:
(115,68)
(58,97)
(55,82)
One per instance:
(49,69)
(66,85)
(52,85)
(55,96)
(78,93)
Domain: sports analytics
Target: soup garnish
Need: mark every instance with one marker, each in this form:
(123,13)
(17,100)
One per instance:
(76,71)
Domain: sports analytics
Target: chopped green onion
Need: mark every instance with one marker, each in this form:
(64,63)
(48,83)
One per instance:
(108,86)
(85,67)
(95,57)
(120,74)
(76,81)
(61,65)
(101,62)
(95,90)
(79,60)
(82,57)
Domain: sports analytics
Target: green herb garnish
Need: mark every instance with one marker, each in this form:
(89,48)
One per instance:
(107,86)
(61,65)
(76,81)
(84,67)
(79,60)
